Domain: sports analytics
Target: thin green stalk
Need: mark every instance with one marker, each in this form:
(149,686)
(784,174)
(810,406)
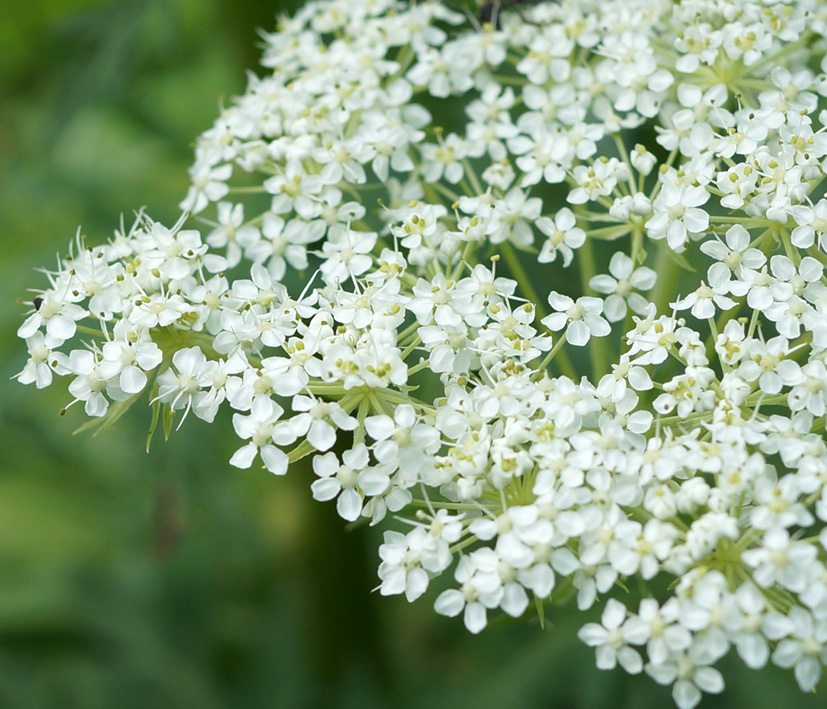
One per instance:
(359,433)
(472,176)
(522,279)
(254,189)
(445,191)
(530,292)
(300,451)
(419,367)
(610,233)
(624,156)
(597,345)
(463,260)
(410,348)
(547,360)
(667,269)
(89,331)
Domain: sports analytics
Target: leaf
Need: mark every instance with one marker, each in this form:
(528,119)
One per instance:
(113,413)
(680,259)
(169,415)
(610,233)
(153,424)
(541,612)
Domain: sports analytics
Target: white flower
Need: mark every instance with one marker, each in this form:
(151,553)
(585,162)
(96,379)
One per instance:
(58,317)
(401,570)
(441,72)
(90,381)
(258,428)
(768,363)
(231,233)
(281,243)
(810,392)
(208,185)
(294,190)
(744,620)
(582,318)
(401,441)
(659,628)
(316,420)
(348,256)
(511,217)
(610,640)
(562,236)
(597,180)
(444,160)
(620,286)
(481,590)
(39,367)
(704,301)
(677,214)
(341,480)
(805,650)
(183,389)
(781,561)
(159,309)
(691,675)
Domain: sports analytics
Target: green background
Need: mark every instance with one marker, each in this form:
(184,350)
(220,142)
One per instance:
(171,579)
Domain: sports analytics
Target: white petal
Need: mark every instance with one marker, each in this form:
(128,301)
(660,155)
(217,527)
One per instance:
(577,333)
(449,603)
(349,505)
(416,584)
(709,680)
(613,614)
(325,489)
(476,617)
(321,435)
(515,600)
(132,380)
(605,658)
(275,459)
(686,694)
(630,660)
(379,427)
(592,634)
(244,456)
(807,673)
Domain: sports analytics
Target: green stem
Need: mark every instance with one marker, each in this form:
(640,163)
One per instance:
(359,433)
(419,367)
(522,279)
(300,451)
(598,345)
(88,330)
(413,327)
(463,260)
(667,269)
(472,176)
(410,348)
(549,357)
(444,191)
(624,155)
(254,189)
(610,233)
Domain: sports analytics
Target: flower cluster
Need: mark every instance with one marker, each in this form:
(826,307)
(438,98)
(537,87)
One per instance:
(573,335)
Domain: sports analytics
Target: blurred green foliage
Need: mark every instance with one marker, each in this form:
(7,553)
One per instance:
(170,579)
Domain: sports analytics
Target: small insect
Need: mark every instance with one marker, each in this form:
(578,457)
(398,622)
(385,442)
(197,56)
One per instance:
(38,302)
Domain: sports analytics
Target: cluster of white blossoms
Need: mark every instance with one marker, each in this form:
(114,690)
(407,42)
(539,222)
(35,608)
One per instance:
(546,295)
